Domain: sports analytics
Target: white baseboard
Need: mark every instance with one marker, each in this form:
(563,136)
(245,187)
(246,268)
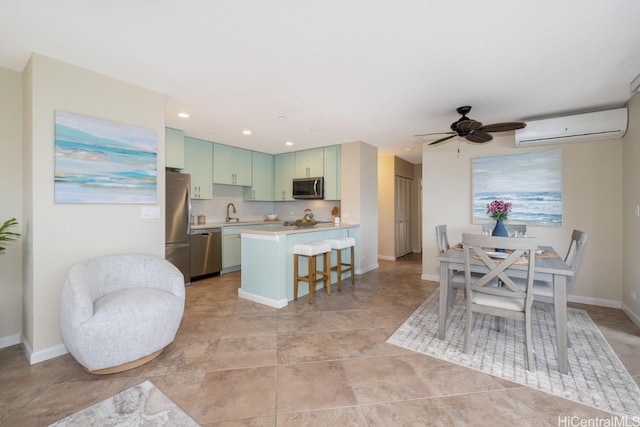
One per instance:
(42,355)
(10,340)
(633,316)
(386,257)
(431,277)
(368,268)
(594,301)
(262,300)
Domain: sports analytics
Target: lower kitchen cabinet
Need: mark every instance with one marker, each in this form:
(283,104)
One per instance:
(231,252)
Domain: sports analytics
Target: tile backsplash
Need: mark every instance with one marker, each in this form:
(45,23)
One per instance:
(216,208)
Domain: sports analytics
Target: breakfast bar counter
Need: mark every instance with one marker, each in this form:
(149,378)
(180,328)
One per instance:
(267,260)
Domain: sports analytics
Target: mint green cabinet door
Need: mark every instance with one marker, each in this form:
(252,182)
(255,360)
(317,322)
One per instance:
(197,163)
(309,163)
(223,172)
(285,170)
(231,165)
(174,148)
(242,165)
(262,178)
(332,172)
(231,251)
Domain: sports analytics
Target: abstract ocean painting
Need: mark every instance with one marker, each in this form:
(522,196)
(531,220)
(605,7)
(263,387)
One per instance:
(99,161)
(531,181)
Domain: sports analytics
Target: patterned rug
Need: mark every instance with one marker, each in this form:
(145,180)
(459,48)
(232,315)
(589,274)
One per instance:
(596,376)
(141,405)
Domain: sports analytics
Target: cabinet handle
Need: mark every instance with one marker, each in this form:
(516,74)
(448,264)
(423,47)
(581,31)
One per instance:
(254,194)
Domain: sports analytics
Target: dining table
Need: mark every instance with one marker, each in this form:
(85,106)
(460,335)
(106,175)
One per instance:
(549,267)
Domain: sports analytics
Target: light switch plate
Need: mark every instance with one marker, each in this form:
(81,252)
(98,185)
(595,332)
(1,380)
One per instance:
(150,212)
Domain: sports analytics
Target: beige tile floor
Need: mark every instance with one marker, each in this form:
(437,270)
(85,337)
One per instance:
(237,363)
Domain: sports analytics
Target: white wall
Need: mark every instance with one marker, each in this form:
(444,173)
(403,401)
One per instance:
(11,205)
(631,221)
(359,191)
(592,202)
(59,235)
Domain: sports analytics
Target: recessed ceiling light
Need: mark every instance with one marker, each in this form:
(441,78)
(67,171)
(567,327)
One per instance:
(246,132)
(288,143)
(408,149)
(313,130)
(184,115)
(282,117)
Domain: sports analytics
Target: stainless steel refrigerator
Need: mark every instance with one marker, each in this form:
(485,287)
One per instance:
(178,211)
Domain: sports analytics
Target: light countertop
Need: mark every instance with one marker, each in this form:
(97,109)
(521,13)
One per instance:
(292,229)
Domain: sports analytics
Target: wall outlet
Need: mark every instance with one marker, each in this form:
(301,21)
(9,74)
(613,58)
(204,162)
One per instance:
(633,295)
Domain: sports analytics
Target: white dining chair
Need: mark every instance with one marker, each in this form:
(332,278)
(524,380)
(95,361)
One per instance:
(520,228)
(543,290)
(442,239)
(457,277)
(494,292)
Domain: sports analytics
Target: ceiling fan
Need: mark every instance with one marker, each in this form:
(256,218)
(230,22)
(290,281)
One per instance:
(473,130)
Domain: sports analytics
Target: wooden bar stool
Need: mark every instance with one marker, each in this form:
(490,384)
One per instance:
(311,250)
(342,267)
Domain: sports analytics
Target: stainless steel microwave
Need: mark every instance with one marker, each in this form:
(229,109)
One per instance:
(308,188)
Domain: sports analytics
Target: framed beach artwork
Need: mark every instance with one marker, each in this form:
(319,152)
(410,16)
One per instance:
(99,161)
(531,181)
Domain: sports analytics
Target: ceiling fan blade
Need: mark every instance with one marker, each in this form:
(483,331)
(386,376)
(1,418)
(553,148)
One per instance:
(502,127)
(468,125)
(441,140)
(479,137)
(436,133)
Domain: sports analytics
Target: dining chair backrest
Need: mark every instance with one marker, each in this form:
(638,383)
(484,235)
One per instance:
(517,250)
(442,239)
(521,228)
(493,292)
(574,254)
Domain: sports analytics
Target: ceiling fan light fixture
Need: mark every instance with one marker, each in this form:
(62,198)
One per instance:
(472,130)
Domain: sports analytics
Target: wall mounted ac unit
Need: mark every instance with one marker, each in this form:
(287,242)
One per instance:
(580,127)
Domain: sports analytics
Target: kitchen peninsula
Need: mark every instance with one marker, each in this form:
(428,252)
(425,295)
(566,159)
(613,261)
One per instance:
(267,260)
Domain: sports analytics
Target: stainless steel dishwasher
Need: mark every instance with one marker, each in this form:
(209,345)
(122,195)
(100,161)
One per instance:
(206,251)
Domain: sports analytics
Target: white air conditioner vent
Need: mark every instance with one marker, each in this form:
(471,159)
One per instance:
(607,124)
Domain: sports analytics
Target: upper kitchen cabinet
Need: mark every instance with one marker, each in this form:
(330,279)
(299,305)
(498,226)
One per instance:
(197,162)
(332,172)
(262,178)
(174,148)
(285,166)
(231,165)
(309,163)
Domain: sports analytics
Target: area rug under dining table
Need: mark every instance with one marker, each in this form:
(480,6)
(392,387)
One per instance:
(596,375)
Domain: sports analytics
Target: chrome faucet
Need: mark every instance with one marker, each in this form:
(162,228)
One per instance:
(229,218)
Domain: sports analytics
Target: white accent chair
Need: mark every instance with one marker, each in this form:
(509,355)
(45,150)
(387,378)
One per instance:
(504,299)
(120,311)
